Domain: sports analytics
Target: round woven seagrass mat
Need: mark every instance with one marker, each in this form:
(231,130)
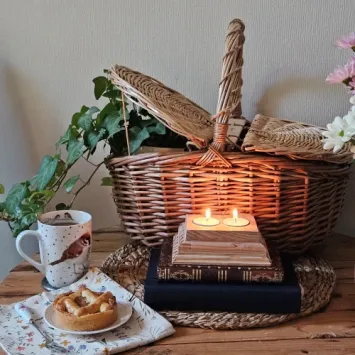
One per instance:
(128,266)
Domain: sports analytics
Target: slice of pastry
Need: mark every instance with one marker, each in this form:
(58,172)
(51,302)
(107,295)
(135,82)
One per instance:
(85,310)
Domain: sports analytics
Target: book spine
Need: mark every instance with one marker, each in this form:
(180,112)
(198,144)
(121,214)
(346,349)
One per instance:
(219,275)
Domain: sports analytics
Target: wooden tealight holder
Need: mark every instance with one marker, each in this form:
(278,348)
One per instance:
(220,244)
(221,232)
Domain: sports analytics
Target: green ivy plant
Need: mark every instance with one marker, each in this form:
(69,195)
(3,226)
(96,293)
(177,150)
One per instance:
(88,127)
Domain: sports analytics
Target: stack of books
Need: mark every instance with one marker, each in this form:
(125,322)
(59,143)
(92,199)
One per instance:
(193,272)
(168,271)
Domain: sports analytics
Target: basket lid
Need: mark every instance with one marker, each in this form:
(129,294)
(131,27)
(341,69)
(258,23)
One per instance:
(173,109)
(295,140)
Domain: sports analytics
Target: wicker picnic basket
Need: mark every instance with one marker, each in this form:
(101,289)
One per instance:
(295,198)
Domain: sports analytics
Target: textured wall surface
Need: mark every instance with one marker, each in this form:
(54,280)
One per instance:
(54,48)
(16,162)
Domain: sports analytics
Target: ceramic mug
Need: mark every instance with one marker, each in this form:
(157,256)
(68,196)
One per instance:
(64,239)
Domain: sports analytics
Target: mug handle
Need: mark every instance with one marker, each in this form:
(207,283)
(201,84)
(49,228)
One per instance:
(38,266)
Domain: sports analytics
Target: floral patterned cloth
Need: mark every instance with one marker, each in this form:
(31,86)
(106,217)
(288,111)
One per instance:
(145,325)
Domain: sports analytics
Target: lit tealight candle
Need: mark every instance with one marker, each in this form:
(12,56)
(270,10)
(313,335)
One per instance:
(235,221)
(207,221)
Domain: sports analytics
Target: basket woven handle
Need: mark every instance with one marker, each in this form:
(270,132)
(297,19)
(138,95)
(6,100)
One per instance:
(230,87)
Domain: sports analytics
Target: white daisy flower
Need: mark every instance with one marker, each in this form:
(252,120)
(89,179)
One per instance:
(340,131)
(332,140)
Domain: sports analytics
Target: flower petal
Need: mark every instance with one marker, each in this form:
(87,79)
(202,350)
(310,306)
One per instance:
(338,123)
(337,148)
(328,145)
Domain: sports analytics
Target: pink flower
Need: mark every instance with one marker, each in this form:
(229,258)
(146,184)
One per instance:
(346,41)
(342,74)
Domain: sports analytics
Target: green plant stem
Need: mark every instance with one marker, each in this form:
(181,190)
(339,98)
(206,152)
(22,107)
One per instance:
(90,162)
(8,223)
(85,184)
(59,182)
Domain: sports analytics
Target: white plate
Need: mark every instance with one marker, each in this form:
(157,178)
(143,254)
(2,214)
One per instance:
(124,314)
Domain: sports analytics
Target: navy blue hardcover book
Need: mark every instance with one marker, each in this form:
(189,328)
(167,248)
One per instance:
(243,298)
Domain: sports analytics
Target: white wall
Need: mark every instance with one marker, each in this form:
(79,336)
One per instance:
(56,47)
(16,160)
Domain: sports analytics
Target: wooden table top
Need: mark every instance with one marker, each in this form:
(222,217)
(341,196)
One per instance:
(331,331)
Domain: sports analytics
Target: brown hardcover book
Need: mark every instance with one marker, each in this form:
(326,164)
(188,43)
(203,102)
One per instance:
(167,271)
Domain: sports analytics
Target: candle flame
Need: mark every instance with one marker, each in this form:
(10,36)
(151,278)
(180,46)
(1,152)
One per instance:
(235,215)
(208,214)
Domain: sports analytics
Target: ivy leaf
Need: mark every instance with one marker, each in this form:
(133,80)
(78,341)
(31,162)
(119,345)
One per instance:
(2,189)
(106,181)
(70,183)
(100,86)
(58,173)
(61,206)
(16,228)
(17,193)
(71,133)
(63,139)
(112,94)
(43,195)
(112,123)
(46,172)
(94,138)
(136,137)
(159,128)
(104,112)
(77,115)
(85,120)
(28,220)
(32,205)
(75,150)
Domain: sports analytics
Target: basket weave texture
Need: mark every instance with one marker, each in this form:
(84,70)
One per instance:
(128,266)
(295,202)
(189,119)
(293,139)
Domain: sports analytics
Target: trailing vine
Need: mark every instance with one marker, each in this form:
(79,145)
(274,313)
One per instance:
(87,128)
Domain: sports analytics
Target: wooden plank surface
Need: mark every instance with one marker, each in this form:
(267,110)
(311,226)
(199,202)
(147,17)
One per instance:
(331,331)
(279,347)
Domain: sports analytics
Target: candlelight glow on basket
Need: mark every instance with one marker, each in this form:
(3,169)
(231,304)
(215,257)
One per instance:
(236,221)
(206,221)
